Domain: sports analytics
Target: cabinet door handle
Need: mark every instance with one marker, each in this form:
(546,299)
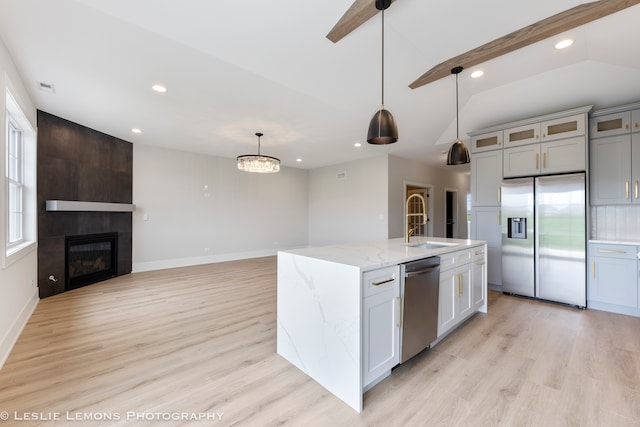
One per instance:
(544,160)
(537,160)
(499,194)
(399,311)
(626,189)
(626,126)
(593,270)
(636,189)
(383,282)
(499,217)
(610,251)
(459,285)
(637,125)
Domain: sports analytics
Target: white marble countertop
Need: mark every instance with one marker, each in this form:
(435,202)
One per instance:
(383,253)
(615,242)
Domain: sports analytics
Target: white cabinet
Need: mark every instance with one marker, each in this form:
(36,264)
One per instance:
(457,300)
(486,141)
(561,128)
(615,170)
(478,278)
(486,225)
(610,124)
(548,130)
(613,278)
(380,323)
(486,176)
(521,161)
(558,156)
(522,135)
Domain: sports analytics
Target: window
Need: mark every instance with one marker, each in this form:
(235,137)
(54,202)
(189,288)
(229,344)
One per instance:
(18,215)
(15,178)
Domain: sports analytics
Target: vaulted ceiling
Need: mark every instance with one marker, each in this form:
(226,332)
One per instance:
(236,67)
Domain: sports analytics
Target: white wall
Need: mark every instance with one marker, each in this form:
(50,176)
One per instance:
(18,277)
(202,209)
(353,209)
(403,171)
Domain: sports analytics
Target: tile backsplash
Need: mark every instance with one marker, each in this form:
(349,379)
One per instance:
(619,223)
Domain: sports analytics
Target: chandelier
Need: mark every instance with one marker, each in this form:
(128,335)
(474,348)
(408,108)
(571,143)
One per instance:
(258,163)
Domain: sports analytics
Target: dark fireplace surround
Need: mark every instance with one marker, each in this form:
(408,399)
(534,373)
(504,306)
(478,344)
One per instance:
(76,163)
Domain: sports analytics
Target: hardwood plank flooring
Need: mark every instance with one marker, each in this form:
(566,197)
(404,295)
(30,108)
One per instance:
(201,341)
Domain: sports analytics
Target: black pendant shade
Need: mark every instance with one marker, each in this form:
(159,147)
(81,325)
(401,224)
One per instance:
(382,128)
(458,153)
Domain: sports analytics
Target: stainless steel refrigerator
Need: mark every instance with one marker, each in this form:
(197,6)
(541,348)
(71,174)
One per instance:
(544,238)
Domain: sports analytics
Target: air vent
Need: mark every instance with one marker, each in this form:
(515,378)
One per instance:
(47,87)
(341,175)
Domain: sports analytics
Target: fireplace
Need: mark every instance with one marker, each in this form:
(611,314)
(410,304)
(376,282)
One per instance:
(90,258)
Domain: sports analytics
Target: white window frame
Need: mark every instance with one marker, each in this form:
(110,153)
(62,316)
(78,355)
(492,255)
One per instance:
(15,179)
(14,116)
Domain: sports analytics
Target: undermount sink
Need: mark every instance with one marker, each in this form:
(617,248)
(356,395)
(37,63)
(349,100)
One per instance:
(430,245)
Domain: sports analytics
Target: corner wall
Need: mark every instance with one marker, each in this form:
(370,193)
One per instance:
(195,209)
(18,291)
(348,202)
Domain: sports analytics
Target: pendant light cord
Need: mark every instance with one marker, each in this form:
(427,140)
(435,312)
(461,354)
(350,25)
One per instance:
(457,120)
(382,58)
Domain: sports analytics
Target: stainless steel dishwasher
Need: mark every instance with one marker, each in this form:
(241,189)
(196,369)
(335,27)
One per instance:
(420,292)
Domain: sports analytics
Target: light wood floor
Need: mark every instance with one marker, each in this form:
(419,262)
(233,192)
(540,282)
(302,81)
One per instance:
(203,340)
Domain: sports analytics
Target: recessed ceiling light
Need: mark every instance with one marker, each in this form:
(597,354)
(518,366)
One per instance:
(159,88)
(298,160)
(136,130)
(476,74)
(357,145)
(564,43)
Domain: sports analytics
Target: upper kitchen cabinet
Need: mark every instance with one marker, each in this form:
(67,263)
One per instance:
(615,121)
(486,175)
(615,156)
(615,170)
(564,127)
(486,141)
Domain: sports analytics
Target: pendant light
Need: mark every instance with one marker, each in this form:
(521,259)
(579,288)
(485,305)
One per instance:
(458,153)
(258,163)
(382,128)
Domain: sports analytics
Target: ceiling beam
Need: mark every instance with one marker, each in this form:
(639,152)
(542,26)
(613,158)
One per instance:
(533,33)
(359,13)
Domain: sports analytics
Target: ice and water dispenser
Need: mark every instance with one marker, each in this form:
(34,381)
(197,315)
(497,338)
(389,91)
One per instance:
(517,228)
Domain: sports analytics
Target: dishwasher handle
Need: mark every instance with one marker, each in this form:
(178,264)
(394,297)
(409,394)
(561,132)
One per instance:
(422,272)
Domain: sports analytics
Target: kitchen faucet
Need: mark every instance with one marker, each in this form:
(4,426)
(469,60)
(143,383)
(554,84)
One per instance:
(408,231)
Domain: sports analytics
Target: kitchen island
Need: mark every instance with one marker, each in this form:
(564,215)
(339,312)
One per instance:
(339,307)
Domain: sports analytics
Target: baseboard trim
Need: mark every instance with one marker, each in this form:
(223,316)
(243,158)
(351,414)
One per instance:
(12,335)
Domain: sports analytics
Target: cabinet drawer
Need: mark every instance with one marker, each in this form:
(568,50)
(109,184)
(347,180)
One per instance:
(478,253)
(376,281)
(463,257)
(613,250)
(447,261)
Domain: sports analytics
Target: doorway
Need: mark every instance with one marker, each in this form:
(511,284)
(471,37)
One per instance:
(450,213)
(415,207)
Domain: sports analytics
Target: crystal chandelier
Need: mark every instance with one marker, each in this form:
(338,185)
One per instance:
(258,163)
